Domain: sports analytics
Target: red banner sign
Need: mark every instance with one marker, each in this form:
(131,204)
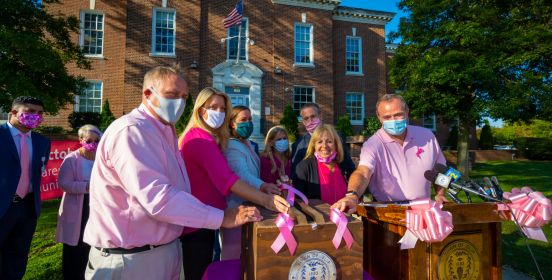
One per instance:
(49,188)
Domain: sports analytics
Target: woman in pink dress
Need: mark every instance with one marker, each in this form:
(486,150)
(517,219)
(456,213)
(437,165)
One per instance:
(321,175)
(202,144)
(276,157)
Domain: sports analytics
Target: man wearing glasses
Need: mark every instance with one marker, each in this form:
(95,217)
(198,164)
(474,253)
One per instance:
(393,161)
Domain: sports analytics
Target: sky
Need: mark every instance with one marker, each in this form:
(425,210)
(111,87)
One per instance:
(379,5)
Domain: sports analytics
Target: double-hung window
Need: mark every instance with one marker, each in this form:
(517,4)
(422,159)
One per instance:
(430,121)
(232,42)
(303,45)
(91,99)
(354,105)
(163,32)
(92,33)
(302,95)
(353,55)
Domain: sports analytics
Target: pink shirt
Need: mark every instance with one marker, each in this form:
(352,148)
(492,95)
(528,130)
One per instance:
(398,170)
(266,169)
(210,176)
(139,190)
(332,183)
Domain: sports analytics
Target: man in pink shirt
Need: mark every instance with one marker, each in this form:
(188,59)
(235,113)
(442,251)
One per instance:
(393,161)
(140,193)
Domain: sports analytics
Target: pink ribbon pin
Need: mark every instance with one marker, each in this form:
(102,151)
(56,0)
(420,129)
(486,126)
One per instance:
(285,223)
(419,152)
(291,194)
(531,209)
(342,232)
(427,222)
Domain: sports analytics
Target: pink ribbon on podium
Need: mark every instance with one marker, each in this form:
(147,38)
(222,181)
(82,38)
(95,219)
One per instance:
(285,223)
(342,232)
(291,194)
(426,221)
(531,209)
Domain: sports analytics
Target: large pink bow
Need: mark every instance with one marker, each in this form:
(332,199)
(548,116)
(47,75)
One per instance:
(291,194)
(285,223)
(531,209)
(342,232)
(426,221)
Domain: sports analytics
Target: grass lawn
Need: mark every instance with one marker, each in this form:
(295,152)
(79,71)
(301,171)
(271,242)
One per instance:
(538,176)
(45,256)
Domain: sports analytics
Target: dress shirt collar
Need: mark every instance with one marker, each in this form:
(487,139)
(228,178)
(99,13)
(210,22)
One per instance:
(14,131)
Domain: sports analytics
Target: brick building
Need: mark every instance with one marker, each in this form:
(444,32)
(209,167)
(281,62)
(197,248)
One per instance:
(291,52)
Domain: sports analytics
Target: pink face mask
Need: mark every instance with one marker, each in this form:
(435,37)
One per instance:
(29,120)
(325,160)
(90,147)
(312,125)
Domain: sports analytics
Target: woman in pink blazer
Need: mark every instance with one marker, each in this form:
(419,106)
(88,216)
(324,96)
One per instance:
(73,179)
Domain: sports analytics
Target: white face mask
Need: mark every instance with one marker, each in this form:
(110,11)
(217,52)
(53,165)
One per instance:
(214,118)
(169,110)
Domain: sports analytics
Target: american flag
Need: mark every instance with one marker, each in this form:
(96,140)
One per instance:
(235,16)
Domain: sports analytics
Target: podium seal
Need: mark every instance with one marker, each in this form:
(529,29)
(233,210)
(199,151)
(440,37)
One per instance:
(313,264)
(459,261)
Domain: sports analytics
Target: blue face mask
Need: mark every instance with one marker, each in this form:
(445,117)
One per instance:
(244,129)
(394,127)
(281,145)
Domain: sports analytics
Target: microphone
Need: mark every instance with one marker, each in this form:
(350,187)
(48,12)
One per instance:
(445,181)
(490,186)
(499,190)
(454,174)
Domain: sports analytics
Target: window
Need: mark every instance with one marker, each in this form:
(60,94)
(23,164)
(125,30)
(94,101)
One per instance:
(91,98)
(163,31)
(354,104)
(303,44)
(3,116)
(91,33)
(353,55)
(302,95)
(232,43)
(238,95)
(429,121)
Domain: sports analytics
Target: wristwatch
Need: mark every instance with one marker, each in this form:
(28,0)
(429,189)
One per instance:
(352,193)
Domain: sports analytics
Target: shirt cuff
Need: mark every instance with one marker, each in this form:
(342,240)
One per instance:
(214,218)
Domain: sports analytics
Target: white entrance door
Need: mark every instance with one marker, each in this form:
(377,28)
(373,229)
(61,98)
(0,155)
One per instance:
(238,95)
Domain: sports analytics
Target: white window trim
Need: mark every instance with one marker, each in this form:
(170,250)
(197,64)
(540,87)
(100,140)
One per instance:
(246,41)
(81,33)
(311,48)
(77,97)
(434,124)
(361,121)
(153,20)
(293,99)
(2,120)
(352,73)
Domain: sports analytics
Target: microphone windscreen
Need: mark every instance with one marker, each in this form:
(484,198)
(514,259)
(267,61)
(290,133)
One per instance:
(430,175)
(440,168)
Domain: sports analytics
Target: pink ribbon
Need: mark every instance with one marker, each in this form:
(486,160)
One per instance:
(291,194)
(531,209)
(426,221)
(285,223)
(342,232)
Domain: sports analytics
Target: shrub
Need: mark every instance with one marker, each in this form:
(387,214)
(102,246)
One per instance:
(185,118)
(371,125)
(49,130)
(106,116)
(534,148)
(289,121)
(486,138)
(344,126)
(78,119)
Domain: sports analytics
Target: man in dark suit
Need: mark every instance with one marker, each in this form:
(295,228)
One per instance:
(310,117)
(23,156)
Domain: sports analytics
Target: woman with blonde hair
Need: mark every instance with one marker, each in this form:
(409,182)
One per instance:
(74,180)
(202,145)
(322,174)
(276,157)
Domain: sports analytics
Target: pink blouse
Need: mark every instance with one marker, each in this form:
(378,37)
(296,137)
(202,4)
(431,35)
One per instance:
(332,183)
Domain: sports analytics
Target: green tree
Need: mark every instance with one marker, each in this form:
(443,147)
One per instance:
(106,116)
(469,59)
(344,126)
(289,121)
(185,118)
(35,47)
(371,125)
(486,137)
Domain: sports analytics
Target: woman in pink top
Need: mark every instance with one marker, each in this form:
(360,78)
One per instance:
(73,179)
(211,179)
(276,157)
(321,174)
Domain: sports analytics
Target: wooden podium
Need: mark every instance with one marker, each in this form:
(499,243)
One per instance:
(471,251)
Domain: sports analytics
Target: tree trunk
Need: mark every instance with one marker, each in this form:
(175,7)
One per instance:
(463,150)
